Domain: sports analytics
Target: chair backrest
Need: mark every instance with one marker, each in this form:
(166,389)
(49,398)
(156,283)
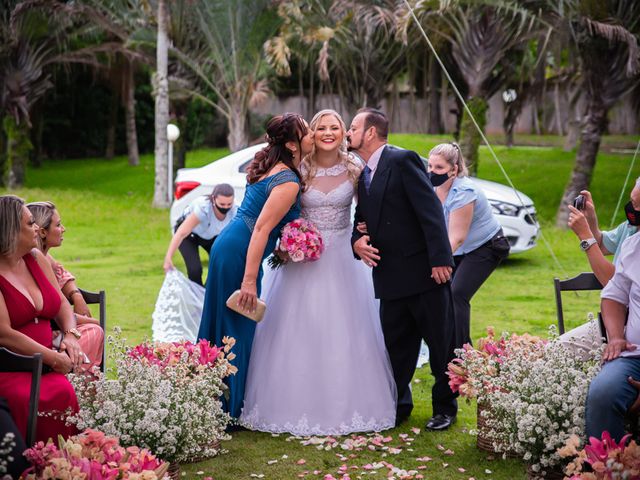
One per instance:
(583,281)
(14,362)
(100,298)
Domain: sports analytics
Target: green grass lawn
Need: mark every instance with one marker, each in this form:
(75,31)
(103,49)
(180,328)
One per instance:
(116,241)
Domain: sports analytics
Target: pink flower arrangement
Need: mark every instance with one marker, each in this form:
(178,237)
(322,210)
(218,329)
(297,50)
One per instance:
(608,459)
(196,356)
(92,455)
(300,241)
(473,372)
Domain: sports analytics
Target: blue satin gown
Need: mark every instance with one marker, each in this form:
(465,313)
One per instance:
(226,270)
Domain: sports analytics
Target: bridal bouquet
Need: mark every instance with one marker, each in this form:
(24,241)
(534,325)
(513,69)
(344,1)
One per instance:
(92,455)
(161,396)
(300,241)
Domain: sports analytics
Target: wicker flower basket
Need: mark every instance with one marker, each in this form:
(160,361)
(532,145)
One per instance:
(215,445)
(550,474)
(485,440)
(174,471)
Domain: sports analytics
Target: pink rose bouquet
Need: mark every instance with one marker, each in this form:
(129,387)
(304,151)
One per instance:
(300,241)
(92,455)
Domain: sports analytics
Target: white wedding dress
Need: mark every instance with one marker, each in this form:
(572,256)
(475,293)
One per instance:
(318,363)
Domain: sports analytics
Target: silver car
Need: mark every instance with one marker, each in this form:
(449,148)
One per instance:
(519,223)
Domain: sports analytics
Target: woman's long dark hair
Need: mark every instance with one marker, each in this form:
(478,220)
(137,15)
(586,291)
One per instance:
(281,129)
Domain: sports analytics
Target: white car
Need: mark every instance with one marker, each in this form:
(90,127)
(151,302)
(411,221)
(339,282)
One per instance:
(519,224)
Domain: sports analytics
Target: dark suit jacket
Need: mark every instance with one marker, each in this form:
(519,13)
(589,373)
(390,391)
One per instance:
(406,224)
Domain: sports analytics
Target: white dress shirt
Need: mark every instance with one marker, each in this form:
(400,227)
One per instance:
(374,159)
(624,288)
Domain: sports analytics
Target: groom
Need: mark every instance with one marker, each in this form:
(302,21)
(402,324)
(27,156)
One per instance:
(408,247)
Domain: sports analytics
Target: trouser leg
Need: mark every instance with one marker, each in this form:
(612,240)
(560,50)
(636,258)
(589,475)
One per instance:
(610,396)
(402,340)
(433,311)
(189,250)
(471,271)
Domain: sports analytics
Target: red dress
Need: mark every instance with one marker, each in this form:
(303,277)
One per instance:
(56,393)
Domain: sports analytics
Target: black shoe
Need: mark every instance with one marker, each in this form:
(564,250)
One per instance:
(440,422)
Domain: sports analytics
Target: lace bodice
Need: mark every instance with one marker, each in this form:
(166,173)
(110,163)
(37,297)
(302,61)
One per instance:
(327,200)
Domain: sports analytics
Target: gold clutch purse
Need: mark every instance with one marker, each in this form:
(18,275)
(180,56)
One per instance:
(232,303)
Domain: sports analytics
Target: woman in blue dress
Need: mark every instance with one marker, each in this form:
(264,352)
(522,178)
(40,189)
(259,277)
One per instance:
(271,200)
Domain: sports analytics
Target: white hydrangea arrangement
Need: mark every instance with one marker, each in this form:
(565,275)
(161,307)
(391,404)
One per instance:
(539,402)
(164,397)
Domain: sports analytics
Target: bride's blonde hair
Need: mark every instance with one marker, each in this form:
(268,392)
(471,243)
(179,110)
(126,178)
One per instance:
(309,165)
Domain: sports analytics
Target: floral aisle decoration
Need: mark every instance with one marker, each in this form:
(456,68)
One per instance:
(161,396)
(538,402)
(607,458)
(92,455)
(476,371)
(300,241)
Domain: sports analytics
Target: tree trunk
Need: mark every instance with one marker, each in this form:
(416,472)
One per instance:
(435,84)
(469,136)
(19,147)
(238,137)
(512,111)
(595,125)
(573,129)
(3,155)
(130,117)
(110,150)
(557,108)
(37,128)
(160,191)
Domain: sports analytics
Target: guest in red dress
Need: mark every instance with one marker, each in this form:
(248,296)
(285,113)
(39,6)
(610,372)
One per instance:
(29,300)
(50,235)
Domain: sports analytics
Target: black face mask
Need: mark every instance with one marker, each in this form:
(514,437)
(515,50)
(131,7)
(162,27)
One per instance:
(633,215)
(223,211)
(438,179)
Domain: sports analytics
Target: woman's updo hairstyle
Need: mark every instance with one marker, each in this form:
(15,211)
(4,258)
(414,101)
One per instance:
(42,214)
(281,129)
(452,155)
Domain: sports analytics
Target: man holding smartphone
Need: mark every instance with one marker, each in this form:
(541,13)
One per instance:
(584,222)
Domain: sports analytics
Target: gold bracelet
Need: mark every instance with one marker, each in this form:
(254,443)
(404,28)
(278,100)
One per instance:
(249,282)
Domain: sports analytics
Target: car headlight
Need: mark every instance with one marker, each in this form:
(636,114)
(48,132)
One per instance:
(504,208)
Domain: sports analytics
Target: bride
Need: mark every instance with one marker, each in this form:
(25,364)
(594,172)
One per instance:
(318,364)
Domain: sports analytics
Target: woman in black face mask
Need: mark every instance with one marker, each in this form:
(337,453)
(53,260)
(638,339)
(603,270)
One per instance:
(477,241)
(198,226)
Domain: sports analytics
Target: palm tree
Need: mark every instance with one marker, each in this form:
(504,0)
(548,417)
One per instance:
(161,83)
(125,22)
(35,39)
(606,36)
(352,44)
(306,29)
(366,56)
(228,60)
(480,35)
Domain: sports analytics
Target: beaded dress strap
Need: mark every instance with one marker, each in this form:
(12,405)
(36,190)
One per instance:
(281,177)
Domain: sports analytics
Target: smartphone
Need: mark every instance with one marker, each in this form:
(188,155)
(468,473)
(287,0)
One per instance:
(579,202)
